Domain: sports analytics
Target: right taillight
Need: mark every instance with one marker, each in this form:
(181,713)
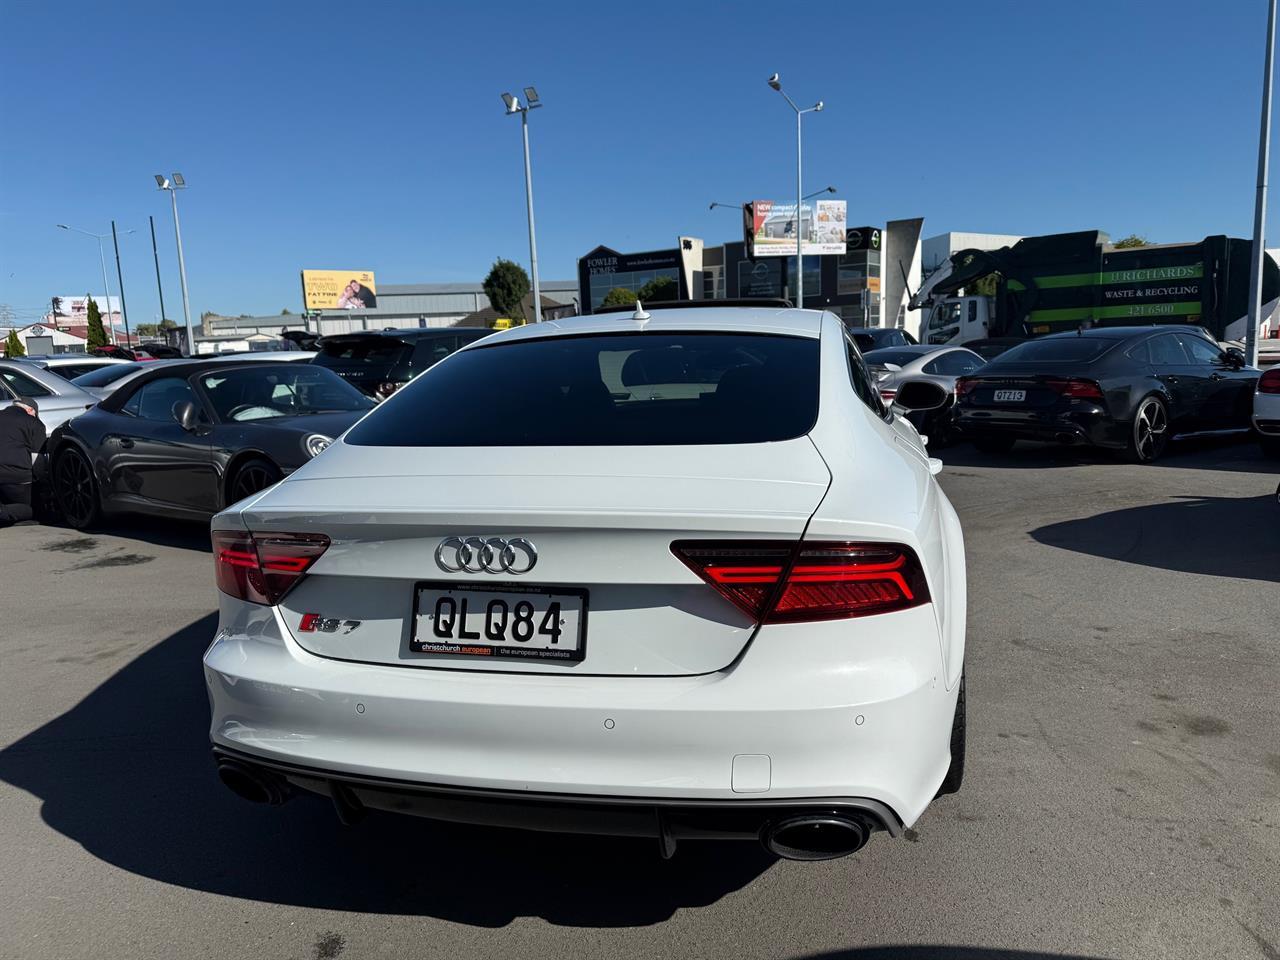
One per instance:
(1269,382)
(263,567)
(780,582)
(1075,387)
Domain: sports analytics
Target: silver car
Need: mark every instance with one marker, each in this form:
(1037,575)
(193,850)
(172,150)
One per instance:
(892,366)
(57,399)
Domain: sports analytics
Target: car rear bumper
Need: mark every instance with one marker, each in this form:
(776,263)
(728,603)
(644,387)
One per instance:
(851,721)
(1266,414)
(1082,424)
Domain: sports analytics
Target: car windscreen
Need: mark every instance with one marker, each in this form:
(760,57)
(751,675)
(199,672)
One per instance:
(899,358)
(1064,350)
(626,389)
(267,391)
(104,376)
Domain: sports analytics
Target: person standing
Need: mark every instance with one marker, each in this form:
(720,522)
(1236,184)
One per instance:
(21,437)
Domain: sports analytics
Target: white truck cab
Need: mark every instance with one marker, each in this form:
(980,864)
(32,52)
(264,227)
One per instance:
(956,320)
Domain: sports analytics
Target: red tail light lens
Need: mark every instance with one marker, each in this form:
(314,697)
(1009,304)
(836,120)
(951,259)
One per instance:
(964,386)
(1269,382)
(263,567)
(787,583)
(1081,389)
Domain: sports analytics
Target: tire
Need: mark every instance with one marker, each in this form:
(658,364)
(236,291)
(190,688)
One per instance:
(955,773)
(251,477)
(76,490)
(1149,432)
(994,444)
(1270,446)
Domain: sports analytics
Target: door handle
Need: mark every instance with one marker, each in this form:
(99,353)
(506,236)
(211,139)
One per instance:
(1170,379)
(1216,376)
(126,443)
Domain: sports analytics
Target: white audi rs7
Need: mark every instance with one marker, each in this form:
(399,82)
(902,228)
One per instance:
(677,575)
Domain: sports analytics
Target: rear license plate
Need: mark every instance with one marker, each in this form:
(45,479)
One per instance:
(520,623)
(1010,396)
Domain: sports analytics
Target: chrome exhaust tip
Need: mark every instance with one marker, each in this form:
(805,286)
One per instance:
(816,836)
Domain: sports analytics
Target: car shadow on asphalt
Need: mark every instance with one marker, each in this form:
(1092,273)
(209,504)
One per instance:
(1235,454)
(937,952)
(181,534)
(1217,536)
(126,773)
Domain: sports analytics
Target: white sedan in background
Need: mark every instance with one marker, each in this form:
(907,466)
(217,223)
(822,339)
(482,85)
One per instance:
(1266,411)
(677,575)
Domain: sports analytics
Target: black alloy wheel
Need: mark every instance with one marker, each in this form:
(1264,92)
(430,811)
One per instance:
(252,477)
(1150,433)
(75,489)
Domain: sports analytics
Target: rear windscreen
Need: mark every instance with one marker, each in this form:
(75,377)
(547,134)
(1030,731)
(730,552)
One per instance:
(108,374)
(374,351)
(611,390)
(1066,350)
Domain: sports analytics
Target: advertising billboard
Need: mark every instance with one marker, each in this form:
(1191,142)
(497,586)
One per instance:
(771,228)
(339,290)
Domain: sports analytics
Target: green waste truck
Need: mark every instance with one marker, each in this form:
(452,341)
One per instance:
(1066,281)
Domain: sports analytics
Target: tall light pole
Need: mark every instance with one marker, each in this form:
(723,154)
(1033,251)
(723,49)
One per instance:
(531,102)
(1260,204)
(159,287)
(103,261)
(776,84)
(173,186)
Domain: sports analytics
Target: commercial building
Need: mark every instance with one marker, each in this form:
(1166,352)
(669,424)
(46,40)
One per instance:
(865,285)
(397,305)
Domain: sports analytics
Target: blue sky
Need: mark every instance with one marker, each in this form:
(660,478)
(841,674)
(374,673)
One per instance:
(372,135)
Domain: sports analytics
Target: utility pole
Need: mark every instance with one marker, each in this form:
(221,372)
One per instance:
(156,254)
(124,311)
(1260,203)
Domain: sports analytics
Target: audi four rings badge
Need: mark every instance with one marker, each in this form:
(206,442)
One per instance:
(486,555)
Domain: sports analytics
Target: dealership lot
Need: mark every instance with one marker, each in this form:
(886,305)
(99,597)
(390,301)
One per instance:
(1122,795)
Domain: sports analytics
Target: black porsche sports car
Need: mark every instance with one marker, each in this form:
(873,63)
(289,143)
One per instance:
(1131,389)
(186,439)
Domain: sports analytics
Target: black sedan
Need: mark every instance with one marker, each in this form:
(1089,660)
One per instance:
(1131,389)
(188,438)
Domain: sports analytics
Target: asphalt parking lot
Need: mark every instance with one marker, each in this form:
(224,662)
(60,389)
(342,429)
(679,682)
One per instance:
(1122,795)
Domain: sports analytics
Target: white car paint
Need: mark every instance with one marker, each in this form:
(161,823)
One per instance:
(682,698)
(1266,409)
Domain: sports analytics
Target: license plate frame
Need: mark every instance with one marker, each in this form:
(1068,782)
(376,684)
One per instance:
(481,646)
(1009,396)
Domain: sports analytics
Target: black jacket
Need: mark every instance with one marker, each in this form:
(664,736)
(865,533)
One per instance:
(21,435)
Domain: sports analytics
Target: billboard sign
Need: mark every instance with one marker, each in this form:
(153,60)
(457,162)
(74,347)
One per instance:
(339,290)
(771,228)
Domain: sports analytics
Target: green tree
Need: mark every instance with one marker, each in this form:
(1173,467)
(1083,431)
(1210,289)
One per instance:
(286,312)
(147,329)
(1132,240)
(97,334)
(13,346)
(505,286)
(619,297)
(659,289)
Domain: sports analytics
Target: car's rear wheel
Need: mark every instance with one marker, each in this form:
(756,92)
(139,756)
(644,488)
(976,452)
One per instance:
(251,477)
(1149,433)
(994,444)
(75,489)
(955,773)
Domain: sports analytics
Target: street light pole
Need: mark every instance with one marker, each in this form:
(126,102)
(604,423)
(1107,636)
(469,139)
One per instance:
(173,186)
(514,106)
(776,84)
(156,255)
(102,260)
(1260,203)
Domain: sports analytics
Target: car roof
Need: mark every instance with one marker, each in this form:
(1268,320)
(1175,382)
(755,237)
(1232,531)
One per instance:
(1123,333)
(404,333)
(919,349)
(775,320)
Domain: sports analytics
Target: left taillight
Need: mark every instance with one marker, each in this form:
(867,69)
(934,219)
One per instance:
(781,582)
(263,567)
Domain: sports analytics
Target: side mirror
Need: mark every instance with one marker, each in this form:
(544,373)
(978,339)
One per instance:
(1235,358)
(921,395)
(187,415)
